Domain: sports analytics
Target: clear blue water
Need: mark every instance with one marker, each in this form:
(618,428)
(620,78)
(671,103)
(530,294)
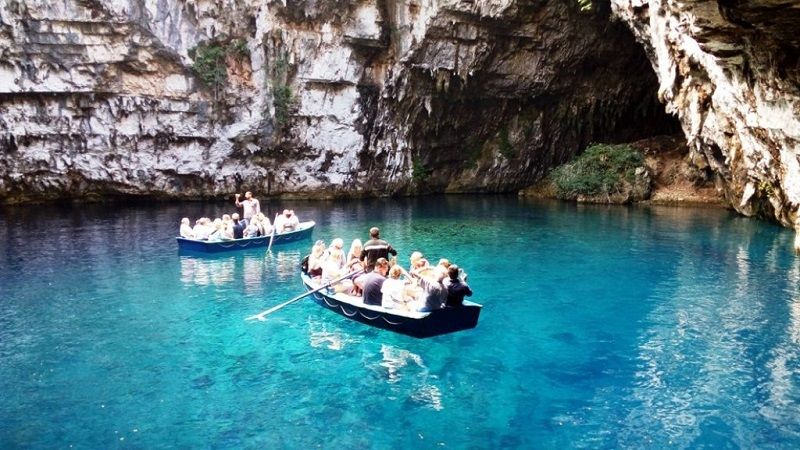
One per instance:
(603,327)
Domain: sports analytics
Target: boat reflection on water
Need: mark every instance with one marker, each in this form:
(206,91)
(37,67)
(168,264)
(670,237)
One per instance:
(206,272)
(404,370)
(287,264)
(395,359)
(253,276)
(252,269)
(323,335)
(397,362)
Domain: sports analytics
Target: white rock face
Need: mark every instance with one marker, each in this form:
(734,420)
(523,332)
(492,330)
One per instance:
(319,98)
(727,72)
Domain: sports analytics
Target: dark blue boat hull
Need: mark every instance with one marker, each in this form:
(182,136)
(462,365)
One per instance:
(191,245)
(443,321)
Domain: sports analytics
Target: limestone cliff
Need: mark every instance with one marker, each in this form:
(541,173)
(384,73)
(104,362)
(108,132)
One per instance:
(201,98)
(730,70)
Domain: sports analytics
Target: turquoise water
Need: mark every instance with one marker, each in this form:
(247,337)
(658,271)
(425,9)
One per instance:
(603,327)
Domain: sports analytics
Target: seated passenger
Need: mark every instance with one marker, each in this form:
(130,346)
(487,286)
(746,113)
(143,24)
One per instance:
(280,219)
(316,259)
(354,256)
(394,289)
(415,259)
(264,225)
(252,229)
(291,222)
(186,229)
(373,282)
(237,229)
(332,269)
(219,234)
(228,226)
(202,228)
(434,294)
(337,244)
(456,288)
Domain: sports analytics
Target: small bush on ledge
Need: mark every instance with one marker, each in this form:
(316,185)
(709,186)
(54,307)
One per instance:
(603,173)
(210,63)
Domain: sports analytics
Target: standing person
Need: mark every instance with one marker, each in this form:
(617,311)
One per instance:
(456,289)
(373,282)
(238,226)
(375,248)
(250,206)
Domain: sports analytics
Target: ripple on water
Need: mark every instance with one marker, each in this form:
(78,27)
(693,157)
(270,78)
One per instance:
(602,328)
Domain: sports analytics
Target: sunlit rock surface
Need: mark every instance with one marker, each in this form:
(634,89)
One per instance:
(321,98)
(731,71)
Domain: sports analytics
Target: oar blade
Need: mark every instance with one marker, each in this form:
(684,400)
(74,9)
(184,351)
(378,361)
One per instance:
(260,316)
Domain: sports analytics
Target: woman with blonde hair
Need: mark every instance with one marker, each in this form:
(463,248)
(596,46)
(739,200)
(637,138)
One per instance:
(219,233)
(264,225)
(186,229)
(316,259)
(336,246)
(394,289)
(354,255)
(333,268)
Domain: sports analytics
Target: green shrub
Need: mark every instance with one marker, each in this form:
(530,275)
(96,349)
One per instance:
(601,169)
(282,100)
(209,61)
(239,48)
(505,146)
(474,153)
(209,64)
(419,173)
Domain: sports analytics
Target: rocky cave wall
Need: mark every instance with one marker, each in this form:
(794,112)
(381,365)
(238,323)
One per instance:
(730,70)
(319,98)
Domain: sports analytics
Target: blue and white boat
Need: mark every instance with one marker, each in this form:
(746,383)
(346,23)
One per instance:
(411,323)
(194,245)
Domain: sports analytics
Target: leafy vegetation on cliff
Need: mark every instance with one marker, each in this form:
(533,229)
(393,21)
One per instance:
(601,170)
(282,97)
(210,61)
(419,172)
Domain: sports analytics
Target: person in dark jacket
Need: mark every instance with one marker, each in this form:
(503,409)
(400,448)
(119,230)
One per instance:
(375,248)
(456,288)
(238,227)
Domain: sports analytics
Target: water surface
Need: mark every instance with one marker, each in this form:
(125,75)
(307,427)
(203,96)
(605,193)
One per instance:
(602,327)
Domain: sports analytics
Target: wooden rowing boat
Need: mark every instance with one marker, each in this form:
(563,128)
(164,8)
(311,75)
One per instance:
(193,245)
(411,323)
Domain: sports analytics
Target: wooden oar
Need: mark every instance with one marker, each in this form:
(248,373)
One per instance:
(261,315)
(272,236)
